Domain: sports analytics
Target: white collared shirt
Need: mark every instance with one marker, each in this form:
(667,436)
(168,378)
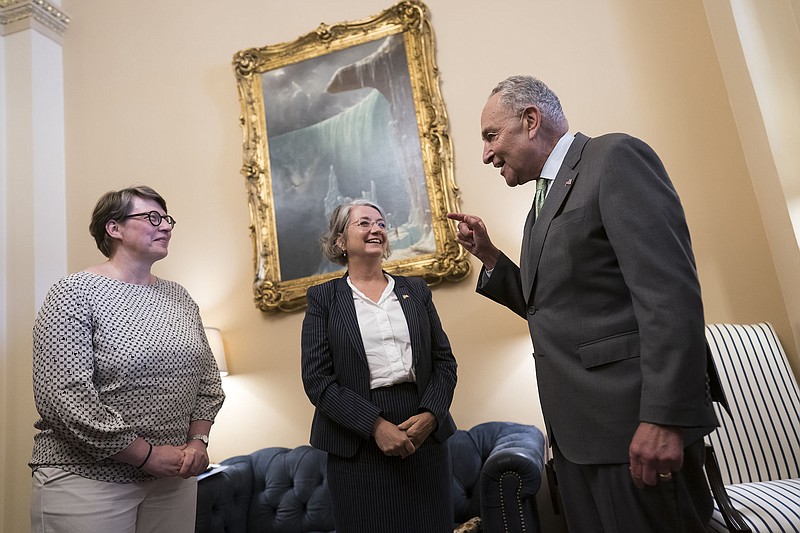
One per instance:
(550,169)
(556,159)
(384,332)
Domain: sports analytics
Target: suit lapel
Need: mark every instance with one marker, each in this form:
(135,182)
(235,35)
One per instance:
(408,304)
(535,232)
(344,311)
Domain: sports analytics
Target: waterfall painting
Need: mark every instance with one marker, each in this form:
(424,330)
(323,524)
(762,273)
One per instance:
(351,110)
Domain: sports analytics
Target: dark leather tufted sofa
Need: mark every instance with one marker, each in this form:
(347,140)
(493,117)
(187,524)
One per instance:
(497,470)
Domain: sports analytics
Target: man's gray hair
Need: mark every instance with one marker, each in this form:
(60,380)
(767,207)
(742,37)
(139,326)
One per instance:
(519,92)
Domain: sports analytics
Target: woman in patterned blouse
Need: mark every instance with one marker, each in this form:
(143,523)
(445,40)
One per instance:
(124,382)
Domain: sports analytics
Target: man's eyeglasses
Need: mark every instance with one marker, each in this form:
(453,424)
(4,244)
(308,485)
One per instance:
(365,224)
(154,217)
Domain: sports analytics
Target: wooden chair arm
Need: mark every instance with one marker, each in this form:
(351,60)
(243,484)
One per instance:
(733,520)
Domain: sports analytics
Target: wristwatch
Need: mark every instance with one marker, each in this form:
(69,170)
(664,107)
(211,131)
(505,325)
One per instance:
(203,438)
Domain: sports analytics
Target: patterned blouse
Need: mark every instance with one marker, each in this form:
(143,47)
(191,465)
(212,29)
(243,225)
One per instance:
(113,361)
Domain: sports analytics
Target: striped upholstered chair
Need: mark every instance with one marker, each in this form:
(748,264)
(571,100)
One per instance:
(757,446)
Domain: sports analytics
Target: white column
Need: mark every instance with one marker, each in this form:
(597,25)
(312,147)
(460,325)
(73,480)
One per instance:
(33,249)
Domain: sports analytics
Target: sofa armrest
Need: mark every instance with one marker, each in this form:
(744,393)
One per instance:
(510,479)
(223,499)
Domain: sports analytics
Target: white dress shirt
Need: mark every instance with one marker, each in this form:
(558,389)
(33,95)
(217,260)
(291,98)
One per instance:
(556,159)
(549,171)
(384,332)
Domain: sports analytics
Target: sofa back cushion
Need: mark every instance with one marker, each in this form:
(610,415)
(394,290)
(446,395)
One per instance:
(290,491)
(223,499)
(465,456)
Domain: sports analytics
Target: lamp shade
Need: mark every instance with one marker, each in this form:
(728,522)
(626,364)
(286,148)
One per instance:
(214,337)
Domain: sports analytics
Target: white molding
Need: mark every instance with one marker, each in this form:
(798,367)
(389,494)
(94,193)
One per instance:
(21,15)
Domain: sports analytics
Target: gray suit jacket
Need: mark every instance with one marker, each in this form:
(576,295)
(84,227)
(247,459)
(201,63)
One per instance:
(336,374)
(609,288)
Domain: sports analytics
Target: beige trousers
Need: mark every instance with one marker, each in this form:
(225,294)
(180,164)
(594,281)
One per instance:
(63,502)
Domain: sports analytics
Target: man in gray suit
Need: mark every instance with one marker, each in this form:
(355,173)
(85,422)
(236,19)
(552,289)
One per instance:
(608,285)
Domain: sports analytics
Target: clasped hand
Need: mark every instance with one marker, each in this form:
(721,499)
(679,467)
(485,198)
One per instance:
(403,439)
(185,461)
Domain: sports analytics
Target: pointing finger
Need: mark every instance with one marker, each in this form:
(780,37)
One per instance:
(464,218)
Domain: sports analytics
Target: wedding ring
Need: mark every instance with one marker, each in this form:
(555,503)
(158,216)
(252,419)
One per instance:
(668,475)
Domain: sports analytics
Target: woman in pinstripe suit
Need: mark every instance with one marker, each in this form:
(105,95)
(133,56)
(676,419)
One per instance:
(379,369)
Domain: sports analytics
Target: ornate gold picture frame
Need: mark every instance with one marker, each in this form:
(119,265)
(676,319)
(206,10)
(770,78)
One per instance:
(349,110)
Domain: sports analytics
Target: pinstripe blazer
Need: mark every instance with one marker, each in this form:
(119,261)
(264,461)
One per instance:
(336,376)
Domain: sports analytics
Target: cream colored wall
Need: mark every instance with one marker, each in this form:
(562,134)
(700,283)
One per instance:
(150,98)
(761,68)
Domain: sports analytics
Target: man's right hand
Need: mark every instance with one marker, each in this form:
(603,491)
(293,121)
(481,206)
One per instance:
(472,235)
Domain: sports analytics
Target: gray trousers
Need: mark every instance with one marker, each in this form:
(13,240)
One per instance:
(603,498)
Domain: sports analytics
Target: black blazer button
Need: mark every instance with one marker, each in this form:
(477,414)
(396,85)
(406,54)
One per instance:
(531,310)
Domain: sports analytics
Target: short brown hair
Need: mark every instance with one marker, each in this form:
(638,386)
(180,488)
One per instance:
(337,225)
(114,205)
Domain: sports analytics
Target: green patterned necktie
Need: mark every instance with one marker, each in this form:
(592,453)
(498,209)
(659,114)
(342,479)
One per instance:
(538,200)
